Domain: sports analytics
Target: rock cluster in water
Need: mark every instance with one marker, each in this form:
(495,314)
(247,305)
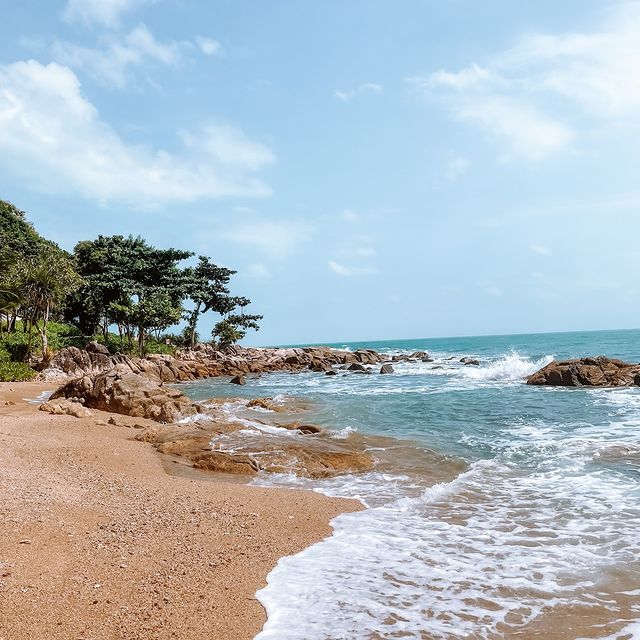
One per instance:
(590,372)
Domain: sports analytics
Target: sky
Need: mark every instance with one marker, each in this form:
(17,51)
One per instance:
(372,169)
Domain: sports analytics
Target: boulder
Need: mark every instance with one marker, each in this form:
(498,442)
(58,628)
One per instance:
(119,390)
(469,361)
(356,366)
(590,372)
(239,379)
(386,368)
(67,407)
(95,347)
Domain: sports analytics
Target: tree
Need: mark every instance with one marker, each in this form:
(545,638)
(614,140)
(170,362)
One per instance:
(128,282)
(47,278)
(206,285)
(234,326)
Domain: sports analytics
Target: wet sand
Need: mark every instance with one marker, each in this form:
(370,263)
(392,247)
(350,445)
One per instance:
(97,541)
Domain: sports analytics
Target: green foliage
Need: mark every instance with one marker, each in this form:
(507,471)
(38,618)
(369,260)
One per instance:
(15,372)
(206,285)
(15,346)
(234,327)
(112,280)
(17,236)
(62,335)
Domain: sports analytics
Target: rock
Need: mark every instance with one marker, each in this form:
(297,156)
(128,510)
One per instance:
(95,347)
(266,403)
(239,379)
(356,366)
(386,368)
(221,462)
(67,407)
(121,391)
(469,361)
(591,372)
(427,359)
(331,372)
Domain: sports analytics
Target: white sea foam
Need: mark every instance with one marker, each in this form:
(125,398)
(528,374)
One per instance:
(490,551)
(40,398)
(512,366)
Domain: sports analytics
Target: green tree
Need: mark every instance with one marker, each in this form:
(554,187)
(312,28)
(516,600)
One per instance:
(47,278)
(128,282)
(234,326)
(206,285)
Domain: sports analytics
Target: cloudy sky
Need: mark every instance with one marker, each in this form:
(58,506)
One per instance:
(372,169)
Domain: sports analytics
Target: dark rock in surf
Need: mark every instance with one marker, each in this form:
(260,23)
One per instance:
(587,372)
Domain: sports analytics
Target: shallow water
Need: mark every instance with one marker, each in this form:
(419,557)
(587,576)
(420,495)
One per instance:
(503,511)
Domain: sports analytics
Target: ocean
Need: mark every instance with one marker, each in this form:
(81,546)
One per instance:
(495,510)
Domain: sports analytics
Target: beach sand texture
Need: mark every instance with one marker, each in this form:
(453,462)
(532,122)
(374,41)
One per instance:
(97,541)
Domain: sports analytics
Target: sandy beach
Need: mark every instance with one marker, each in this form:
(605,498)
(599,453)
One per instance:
(98,541)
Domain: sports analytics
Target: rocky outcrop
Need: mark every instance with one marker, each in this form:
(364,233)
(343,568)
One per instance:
(386,368)
(204,362)
(590,372)
(119,390)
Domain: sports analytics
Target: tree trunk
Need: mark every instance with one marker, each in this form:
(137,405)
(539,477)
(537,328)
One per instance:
(194,325)
(141,341)
(43,333)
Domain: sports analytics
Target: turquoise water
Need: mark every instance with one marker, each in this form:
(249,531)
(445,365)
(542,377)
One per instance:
(523,520)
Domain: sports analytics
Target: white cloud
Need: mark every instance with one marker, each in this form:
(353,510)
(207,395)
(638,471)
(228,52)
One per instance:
(348,271)
(276,238)
(527,132)
(456,167)
(491,289)
(350,216)
(472,77)
(370,88)
(365,252)
(541,250)
(100,12)
(526,94)
(208,46)
(56,137)
(110,63)
(258,271)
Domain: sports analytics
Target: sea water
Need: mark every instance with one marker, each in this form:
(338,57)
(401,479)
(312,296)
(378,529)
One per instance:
(497,509)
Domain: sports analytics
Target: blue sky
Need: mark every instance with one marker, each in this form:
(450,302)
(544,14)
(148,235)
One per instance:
(372,169)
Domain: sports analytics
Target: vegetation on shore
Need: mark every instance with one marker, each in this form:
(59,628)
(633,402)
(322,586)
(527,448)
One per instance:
(119,290)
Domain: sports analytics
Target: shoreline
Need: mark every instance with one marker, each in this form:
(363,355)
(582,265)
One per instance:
(100,541)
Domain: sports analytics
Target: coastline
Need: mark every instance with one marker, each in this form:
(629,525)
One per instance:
(99,541)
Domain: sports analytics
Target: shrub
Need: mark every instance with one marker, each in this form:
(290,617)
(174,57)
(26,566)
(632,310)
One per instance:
(15,372)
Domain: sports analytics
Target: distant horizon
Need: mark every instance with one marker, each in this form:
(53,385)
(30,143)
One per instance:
(484,335)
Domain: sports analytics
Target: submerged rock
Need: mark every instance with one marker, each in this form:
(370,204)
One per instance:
(469,361)
(386,368)
(238,380)
(590,372)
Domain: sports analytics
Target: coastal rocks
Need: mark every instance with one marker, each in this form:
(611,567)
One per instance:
(122,391)
(95,347)
(240,380)
(592,372)
(469,361)
(204,361)
(302,460)
(386,368)
(64,406)
(221,462)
